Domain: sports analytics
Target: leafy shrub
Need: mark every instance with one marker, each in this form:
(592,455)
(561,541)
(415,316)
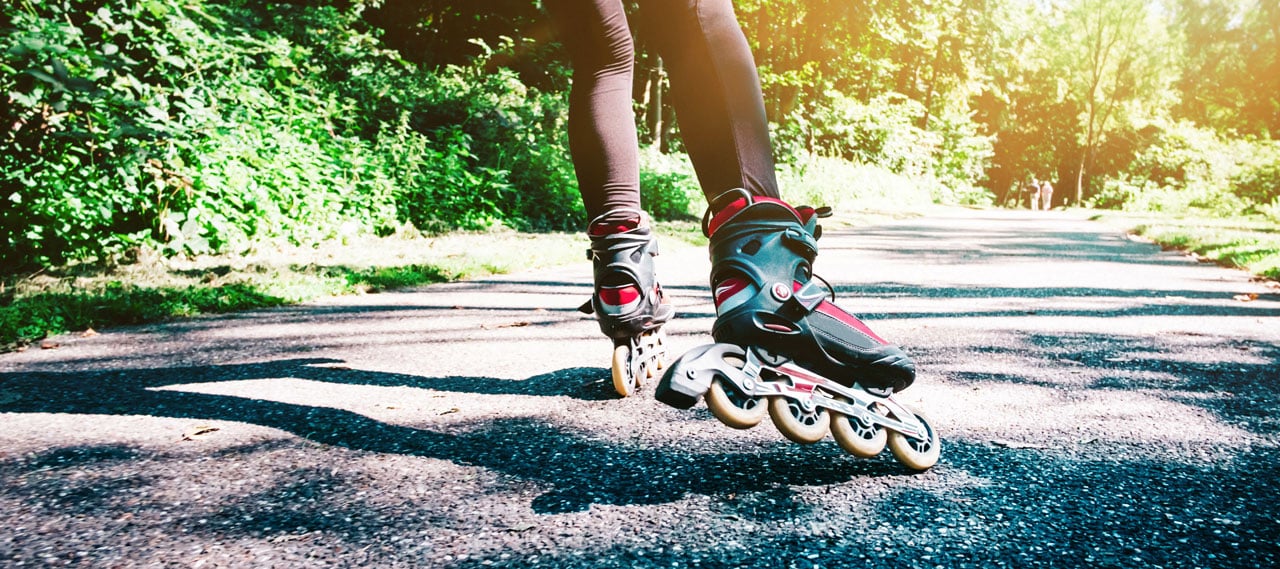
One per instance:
(669,188)
(825,181)
(1258,179)
(948,160)
(1187,168)
(207,126)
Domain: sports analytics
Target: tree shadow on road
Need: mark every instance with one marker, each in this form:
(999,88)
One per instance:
(580,471)
(1003,242)
(1235,379)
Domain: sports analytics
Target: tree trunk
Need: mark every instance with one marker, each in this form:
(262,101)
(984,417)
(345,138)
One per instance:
(655,123)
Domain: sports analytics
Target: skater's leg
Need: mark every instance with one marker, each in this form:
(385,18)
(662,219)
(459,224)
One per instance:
(602,132)
(716,92)
(627,300)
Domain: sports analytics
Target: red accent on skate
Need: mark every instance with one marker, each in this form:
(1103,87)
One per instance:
(727,288)
(802,381)
(740,204)
(619,296)
(779,328)
(834,311)
(612,227)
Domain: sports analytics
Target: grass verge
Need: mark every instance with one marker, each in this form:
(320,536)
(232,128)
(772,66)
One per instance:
(81,298)
(84,297)
(1251,243)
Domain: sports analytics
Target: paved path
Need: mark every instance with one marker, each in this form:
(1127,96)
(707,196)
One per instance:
(1102,403)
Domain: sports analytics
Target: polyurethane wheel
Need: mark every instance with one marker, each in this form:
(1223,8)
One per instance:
(624,382)
(916,454)
(734,408)
(857,437)
(797,424)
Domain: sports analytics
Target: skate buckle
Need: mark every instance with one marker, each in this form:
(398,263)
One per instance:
(781,292)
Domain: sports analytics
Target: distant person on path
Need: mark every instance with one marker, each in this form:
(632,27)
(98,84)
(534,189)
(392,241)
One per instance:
(1046,195)
(1032,190)
(717,97)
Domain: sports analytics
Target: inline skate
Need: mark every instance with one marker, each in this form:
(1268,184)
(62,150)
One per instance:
(783,348)
(628,302)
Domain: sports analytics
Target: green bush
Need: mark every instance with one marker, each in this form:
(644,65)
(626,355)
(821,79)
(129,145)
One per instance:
(204,126)
(948,160)
(1258,179)
(1188,168)
(824,181)
(669,188)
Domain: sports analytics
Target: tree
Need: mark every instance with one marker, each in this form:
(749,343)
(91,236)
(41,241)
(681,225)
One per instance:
(1112,56)
(1231,65)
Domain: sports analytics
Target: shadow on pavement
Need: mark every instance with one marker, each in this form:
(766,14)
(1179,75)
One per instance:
(597,473)
(1185,369)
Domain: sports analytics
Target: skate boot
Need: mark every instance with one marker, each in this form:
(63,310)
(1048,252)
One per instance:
(628,303)
(786,350)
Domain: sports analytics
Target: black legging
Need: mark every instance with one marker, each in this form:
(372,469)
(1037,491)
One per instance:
(715,90)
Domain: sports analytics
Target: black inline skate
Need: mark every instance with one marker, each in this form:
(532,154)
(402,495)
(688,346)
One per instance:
(628,302)
(785,349)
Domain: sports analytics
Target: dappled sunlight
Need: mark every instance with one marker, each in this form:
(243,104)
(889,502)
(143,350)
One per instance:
(1146,423)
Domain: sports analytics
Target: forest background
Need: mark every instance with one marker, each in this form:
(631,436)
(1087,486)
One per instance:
(182,128)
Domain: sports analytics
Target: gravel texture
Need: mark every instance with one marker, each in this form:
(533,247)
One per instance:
(1102,403)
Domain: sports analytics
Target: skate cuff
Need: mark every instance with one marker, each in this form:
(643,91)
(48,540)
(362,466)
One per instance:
(712,223)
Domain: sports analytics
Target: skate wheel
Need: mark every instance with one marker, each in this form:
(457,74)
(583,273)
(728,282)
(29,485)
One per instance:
(856,436)
(654,354)
(734,408)
(624,382)
(913,453)
(797,424)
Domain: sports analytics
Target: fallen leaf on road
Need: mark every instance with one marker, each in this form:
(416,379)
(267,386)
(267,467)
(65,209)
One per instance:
(515,325)
(88,333)
(49,345)
(526,526)
(193,432)
(1246,297)
(454,410)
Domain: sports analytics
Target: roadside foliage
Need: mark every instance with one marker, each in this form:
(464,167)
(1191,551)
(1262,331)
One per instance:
(191,127)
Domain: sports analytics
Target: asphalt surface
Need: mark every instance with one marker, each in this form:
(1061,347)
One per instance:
(1101,403)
